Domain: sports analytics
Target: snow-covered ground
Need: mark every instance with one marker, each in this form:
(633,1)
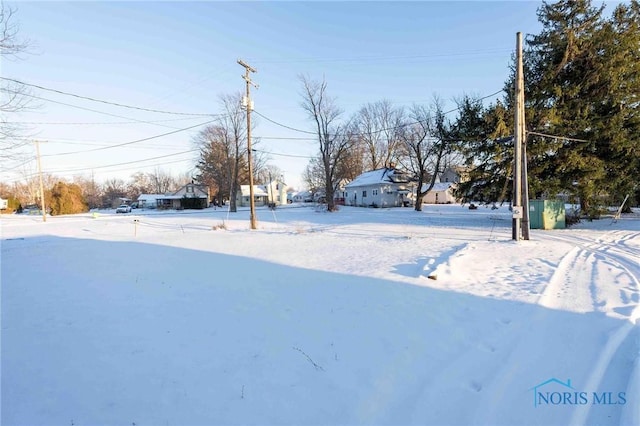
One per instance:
(190,318)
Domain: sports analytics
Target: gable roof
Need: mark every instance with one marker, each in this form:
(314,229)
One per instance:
(438,187)
(258,191)
(379,176)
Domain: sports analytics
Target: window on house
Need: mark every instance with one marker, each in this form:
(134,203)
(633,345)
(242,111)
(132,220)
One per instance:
(364,194)
(189,188)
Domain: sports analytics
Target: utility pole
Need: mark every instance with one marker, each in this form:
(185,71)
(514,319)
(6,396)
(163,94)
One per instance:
(42,206)
(525,178)
(517,142)
(249,105)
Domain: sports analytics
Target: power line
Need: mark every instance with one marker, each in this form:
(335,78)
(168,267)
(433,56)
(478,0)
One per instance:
(283,155)
(285,138)
(383,58)
(130,142)
(105,123)
(124,163)
(373,131)
(556,137)
(103,101)
(284,125)
(89,142)
(138,166)
(90,110)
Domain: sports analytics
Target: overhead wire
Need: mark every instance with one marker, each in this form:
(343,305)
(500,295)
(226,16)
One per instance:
(130,142)
(283,155)
(381,58)
(138,166)
(99,123)
(123,163)
(556,137)
(89,142)
(92,110)
(103,101)
(373,131)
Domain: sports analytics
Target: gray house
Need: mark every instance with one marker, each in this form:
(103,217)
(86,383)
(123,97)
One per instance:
(386,187)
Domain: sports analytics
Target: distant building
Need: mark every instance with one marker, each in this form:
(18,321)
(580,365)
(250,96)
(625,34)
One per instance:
(441,193)
(190,196)
(263,195)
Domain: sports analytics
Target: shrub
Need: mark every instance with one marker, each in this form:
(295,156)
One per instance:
(67,199)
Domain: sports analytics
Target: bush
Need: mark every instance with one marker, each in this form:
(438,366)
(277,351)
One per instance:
(67,199)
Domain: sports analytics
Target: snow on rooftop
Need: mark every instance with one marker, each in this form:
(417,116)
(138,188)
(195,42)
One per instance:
(373,177)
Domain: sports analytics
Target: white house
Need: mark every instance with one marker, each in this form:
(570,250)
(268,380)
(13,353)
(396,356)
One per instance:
(263,195)
(441,193)
(260,196)
(302,197)
(386,187)
(455,174)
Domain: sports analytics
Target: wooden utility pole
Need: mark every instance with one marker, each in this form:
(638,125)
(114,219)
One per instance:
(249,105)
(42,204)
(517,142)
(524,180)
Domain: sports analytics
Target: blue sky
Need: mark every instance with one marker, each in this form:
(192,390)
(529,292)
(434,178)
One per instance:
(180,56)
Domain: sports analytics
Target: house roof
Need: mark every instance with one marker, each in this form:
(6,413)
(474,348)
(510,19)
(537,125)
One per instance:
(203,191)
(379,176)
(439,187)
(150,197)
(258,191)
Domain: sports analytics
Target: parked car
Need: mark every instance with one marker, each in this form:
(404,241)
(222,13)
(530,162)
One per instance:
(123,208)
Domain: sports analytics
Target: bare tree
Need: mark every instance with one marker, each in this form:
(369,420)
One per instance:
(268,173)
(223,150)
(184,178)
(112,190)
(90,189)
(11,45)
(161,181)
(313,175)
(139,183)
(379,126)
(333,138)
(13,95)
(426,147)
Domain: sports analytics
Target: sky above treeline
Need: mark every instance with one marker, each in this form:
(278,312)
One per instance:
(179,57)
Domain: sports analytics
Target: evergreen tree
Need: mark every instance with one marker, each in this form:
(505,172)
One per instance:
(618,100)
(582,84)
(484,138)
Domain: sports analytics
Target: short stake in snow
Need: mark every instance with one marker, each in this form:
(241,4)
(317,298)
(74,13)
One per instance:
(135,227)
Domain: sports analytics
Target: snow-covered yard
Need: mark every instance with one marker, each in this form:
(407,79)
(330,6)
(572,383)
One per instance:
(318,318)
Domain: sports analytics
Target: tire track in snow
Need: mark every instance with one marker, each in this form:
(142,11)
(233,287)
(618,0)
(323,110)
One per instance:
(618,253)
(588,279)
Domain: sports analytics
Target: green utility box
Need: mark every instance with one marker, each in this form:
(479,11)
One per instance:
(546,214)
